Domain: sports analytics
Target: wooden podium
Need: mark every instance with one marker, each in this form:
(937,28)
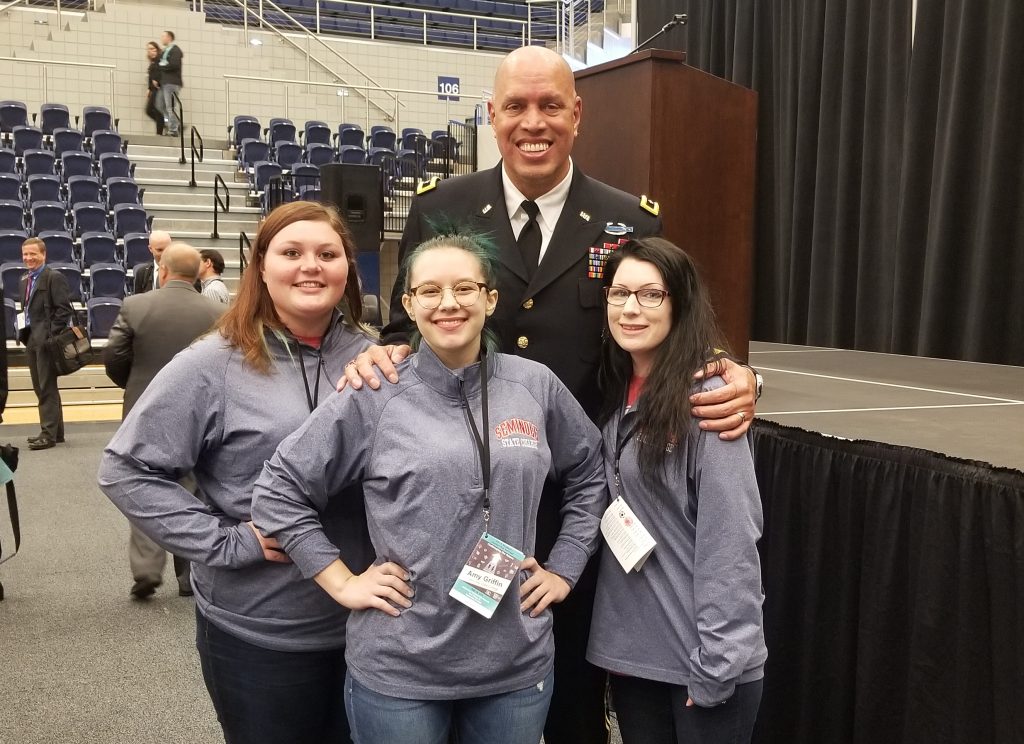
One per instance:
(656,126)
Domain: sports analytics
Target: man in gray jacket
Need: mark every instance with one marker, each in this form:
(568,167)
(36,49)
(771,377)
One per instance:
(150,329)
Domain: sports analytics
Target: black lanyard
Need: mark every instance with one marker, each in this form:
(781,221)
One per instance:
(311,400)
(483,444)
(621,440)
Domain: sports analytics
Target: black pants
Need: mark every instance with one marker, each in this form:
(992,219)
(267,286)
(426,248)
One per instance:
(656,713)
(154,113)
(44,383)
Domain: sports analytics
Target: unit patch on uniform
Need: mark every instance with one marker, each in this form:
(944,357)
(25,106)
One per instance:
(517,432)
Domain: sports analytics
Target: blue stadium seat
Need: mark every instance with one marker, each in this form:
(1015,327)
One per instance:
(136,249)
(12,114)
(37,163)
(8,160)
(411,164)
(75,163)
(115,165)
(102,312)
(104,141)
(410,136)
(317,132)
(96,118)
(12,215)
(48,215)
(10,187)
(243,128)
(130,218)
(43,188)
(10,276)
(27,138)
(350,134)
(67,140)
(280,130)
(443,145)
(122,191)
(305,176)
(317,154)
(53,116)
(352,154)
(83,189)
(262,172)
(10,245)
(71,273)
(89,217)
(310,193)
(251,152)
(98,247)
(287,153)
(379,156)
(106,280)
(381,136)
(60,246)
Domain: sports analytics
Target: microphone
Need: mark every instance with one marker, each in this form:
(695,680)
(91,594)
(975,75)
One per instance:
(679,19)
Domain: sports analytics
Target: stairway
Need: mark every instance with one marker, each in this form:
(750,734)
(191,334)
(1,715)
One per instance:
(187,212)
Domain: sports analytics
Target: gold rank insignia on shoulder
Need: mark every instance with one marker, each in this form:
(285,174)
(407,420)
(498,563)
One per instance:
(429,185)
(649,206)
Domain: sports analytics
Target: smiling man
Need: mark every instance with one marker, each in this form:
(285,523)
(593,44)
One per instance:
(554,227)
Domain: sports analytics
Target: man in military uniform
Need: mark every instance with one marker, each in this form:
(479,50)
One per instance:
(553,226)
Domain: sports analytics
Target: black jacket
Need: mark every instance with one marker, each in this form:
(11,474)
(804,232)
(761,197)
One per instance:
(155,75)
(556,318)
(171,72)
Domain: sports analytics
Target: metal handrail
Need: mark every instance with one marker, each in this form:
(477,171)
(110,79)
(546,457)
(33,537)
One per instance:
(195,153)
(313,37)
(46,62)
(181,125)
(219,203)
(243,260)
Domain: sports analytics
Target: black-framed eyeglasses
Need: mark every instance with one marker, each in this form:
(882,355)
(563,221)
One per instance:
(647,296)
(429,296)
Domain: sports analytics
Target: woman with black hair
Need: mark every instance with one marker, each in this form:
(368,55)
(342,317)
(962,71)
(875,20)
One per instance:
(153,106)
(681,632)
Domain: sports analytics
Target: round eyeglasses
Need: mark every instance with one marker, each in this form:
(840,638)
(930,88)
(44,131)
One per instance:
(647,297)
(429,296)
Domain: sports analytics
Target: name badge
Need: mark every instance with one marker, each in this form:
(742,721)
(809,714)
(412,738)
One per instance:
(487,575)
(629,540)
(20,321)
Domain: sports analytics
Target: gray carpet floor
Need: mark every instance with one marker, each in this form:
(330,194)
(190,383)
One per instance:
(80,661)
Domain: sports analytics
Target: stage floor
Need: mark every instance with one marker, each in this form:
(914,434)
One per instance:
(962,409)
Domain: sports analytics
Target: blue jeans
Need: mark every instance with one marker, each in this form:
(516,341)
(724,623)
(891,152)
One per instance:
(508,718)
(167,98)
(261,696)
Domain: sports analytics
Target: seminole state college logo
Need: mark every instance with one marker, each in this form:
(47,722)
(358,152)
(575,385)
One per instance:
(516,432)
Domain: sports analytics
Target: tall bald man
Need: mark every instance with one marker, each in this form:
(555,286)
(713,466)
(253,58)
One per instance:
(146,276)
(150,329)
(551,224)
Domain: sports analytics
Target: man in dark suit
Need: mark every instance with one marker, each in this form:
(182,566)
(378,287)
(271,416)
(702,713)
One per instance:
(146,275)
(150,329)
(170,80)
(47,311)
(550,306)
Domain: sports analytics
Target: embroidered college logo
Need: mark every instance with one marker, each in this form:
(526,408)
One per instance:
(517,432)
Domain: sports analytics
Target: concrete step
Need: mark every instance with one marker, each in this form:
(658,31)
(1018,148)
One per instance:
(178,186)
(183,173)
(178,226)
(187,211)
(166,143)
(198,198)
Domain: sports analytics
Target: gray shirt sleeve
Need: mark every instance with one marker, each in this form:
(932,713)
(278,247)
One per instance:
(319,460)
(158,444)
(726,571)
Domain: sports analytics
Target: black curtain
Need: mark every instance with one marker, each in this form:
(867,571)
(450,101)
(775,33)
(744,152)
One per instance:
(889,183)
(894,584)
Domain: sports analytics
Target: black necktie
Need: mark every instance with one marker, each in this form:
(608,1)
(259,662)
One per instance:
(530,238)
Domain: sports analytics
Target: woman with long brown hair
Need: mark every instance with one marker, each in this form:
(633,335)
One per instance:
(153,109)
(271,643)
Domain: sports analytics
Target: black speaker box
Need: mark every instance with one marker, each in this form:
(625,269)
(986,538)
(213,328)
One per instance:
(355,190)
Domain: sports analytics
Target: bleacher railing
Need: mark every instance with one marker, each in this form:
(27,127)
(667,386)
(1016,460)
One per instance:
(271,16)
(506,28)
(197,154)
(48,64)
(59,5)
(218,203)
